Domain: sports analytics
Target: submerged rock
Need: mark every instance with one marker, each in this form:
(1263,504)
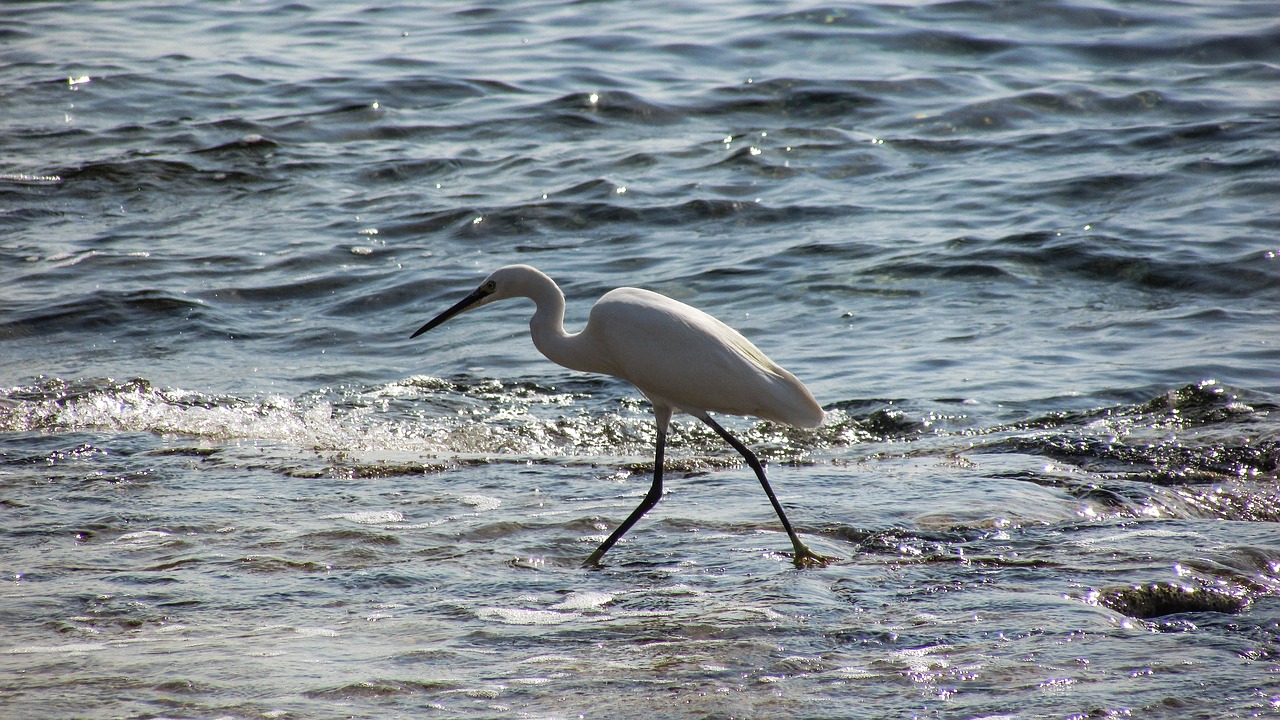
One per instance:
(1160,599)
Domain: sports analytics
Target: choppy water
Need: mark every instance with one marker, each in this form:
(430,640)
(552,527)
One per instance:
(1025,254)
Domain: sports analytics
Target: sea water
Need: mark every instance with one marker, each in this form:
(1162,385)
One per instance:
(1024,254)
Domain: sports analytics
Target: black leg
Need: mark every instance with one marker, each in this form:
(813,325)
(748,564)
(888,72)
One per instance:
(651,499)
(804,557)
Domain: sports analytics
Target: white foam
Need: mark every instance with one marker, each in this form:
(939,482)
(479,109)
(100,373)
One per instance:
(371,517)
(522,616)
(583,601)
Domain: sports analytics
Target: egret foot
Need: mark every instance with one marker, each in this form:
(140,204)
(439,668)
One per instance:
(806,558)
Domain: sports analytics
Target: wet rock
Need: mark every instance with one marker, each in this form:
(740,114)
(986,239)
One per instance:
(1160,599)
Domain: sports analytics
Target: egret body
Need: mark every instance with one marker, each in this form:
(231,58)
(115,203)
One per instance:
(678,357)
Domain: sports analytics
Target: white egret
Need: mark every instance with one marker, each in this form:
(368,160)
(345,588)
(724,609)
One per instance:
(679,357)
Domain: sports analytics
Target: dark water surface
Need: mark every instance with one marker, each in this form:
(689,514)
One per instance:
(1027,256)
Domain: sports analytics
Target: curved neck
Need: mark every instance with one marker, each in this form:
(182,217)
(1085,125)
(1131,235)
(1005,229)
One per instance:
(546,327)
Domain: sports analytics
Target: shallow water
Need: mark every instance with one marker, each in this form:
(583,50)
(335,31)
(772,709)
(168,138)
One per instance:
(1025,256)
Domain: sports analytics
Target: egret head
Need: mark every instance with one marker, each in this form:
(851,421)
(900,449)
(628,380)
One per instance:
(506,282)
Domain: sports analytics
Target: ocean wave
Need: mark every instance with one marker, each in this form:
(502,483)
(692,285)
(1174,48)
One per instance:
(1198,450)
(117,312)
(1090,256)
(1201,450)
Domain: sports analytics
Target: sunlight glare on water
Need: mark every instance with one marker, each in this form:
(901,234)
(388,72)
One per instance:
(1023,255)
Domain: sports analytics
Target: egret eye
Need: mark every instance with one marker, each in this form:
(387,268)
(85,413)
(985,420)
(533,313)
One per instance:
(489,286)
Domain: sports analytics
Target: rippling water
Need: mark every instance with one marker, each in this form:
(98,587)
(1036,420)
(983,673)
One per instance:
(1025,255)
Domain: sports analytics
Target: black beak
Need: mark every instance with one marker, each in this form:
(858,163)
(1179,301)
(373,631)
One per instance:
(466,302)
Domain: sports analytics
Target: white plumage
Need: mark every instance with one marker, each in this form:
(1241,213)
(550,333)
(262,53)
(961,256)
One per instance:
(679,357)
